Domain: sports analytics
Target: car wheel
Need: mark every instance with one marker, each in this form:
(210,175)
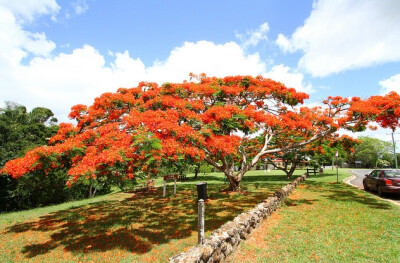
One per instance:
(380,193)
(365,186)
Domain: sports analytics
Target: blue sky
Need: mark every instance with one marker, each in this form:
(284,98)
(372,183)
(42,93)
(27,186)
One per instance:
(60,53)
(151,29)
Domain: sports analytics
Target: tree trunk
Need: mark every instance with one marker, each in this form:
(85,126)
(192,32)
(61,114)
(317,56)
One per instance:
(290,172)
(196,171)
(92,191)
(234,183)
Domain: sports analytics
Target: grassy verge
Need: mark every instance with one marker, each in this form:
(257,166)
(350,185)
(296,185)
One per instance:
(127,227)
(325,221)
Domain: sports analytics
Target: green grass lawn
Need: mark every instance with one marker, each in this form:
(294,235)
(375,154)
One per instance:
(325,221)
(128,227)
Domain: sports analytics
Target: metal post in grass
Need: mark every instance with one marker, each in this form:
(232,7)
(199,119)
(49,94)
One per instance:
(201,222)
(337,167)
(394,150)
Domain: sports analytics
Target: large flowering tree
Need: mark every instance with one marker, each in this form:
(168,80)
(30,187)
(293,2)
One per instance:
(228,122)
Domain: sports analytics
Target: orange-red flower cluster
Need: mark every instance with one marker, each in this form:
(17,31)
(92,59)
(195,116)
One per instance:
(138,127)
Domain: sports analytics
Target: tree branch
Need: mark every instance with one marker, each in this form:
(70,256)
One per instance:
(246,166)
(299,144)
(215,164)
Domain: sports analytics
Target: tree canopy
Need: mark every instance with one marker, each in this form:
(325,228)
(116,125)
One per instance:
(371,150)
(21,130)
(227,122)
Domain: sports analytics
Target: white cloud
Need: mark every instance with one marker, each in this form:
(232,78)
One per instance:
(290,78)
(67,79)
(15,43)
(80,7)
(391,84)
(206,57)
(253,37)
(284,43)
(343,35)
(26,11)
(59,81)
(380,133)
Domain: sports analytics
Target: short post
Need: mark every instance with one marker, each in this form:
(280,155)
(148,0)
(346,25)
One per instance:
(174,186)
(337,167)
(202,191)
(201,222)
(165,188)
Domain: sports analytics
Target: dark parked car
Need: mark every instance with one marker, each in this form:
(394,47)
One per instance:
(383,181)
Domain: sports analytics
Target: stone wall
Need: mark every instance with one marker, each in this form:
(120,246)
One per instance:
(224,240)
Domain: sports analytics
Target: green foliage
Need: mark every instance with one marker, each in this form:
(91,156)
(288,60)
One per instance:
(206,168)
(180,166)
(37,189)
(291,158)
(124,184)
(329,155)
(7,185)
(370,150)
(314,164)
(21,131)
(382,163)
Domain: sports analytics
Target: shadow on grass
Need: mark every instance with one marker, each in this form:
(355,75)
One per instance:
(391,196)
(272,179)
(136,223)
(344,193)
(296,202)
(206,178)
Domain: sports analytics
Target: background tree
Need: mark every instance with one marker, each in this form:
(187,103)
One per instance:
(227,122)
(343,145)
(202,167)
(371,150)
(291,158)
(180,167)
(317,153)
(21,130)
(327,157)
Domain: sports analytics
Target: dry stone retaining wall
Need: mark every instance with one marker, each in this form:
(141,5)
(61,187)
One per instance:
(224,240)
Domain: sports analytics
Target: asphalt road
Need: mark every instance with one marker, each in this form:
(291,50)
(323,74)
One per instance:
(357,182)
(360,174)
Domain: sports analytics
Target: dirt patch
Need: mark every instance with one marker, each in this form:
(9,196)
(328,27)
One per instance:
(257,239)
(295,195)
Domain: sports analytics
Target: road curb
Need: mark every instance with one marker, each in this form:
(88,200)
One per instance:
(348,179)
